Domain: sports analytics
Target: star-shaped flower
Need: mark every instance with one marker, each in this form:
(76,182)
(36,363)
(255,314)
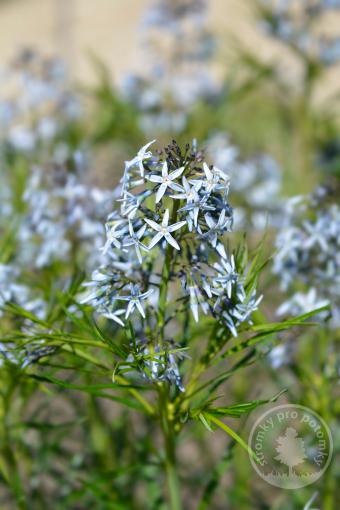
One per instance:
(164,230)
(217,227)
(213,177)
(130,205)
(142,154)
(227,274)
(135,240)
(316,235)
(196,300)
(243,311)
(134,300)
(188,193)
(114,316)
(166,180)
(126,181)
(195,202)
(113,234)
(302,303)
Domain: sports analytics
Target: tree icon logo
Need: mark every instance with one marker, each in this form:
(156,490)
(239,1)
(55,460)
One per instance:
(291,449)
(291,446)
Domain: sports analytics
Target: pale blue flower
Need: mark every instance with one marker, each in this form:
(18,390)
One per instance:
(164,231)
(134,300)
(134,240)
(165,180)
(114,316)
(142,155)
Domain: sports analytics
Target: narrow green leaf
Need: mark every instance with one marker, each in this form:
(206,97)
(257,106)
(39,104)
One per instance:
(232,434)
(238,410)
(93,390)
(204,421)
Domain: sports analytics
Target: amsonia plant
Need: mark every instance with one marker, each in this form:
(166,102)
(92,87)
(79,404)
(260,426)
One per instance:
(175,309)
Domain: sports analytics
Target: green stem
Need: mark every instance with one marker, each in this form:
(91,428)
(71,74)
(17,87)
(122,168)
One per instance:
(9,463)
(166,415)
(171,472)
(163,289)
(165,406)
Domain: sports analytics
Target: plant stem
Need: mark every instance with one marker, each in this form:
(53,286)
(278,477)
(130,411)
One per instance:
(166,416)
(7,456)
(171,472)
(165,406)
(163,289)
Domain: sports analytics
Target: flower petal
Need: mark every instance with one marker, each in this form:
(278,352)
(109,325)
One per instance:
(153,224)
(155,240)
(176,173)
(165,221)
(176,226)
(154,178)
(207,172)
(160,192)
(165,169)
(172,241)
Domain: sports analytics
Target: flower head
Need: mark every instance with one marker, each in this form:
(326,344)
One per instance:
(157,238)
(308,248)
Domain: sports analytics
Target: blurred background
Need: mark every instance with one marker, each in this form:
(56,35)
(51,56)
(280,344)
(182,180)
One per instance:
(111,29)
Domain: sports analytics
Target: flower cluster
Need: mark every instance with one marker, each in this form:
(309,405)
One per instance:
(179,46)
(165,248)
(156,362)
(256,184)
(295,23)
(308,252)
(13,290)
(35,102)
(62,213)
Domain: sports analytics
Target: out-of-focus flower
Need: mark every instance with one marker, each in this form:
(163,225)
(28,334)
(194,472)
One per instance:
(14,291)
(308,248)
(36,102)
(279,356)
(256,184)
(301,303)
(294,23)
(61,212)
(178,47)
(10,289)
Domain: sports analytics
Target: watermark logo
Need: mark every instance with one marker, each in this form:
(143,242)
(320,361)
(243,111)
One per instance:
(293,446)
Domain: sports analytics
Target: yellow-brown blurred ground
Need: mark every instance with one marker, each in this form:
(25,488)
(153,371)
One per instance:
(110,28)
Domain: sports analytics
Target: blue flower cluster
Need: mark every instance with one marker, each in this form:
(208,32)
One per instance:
(174,211)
